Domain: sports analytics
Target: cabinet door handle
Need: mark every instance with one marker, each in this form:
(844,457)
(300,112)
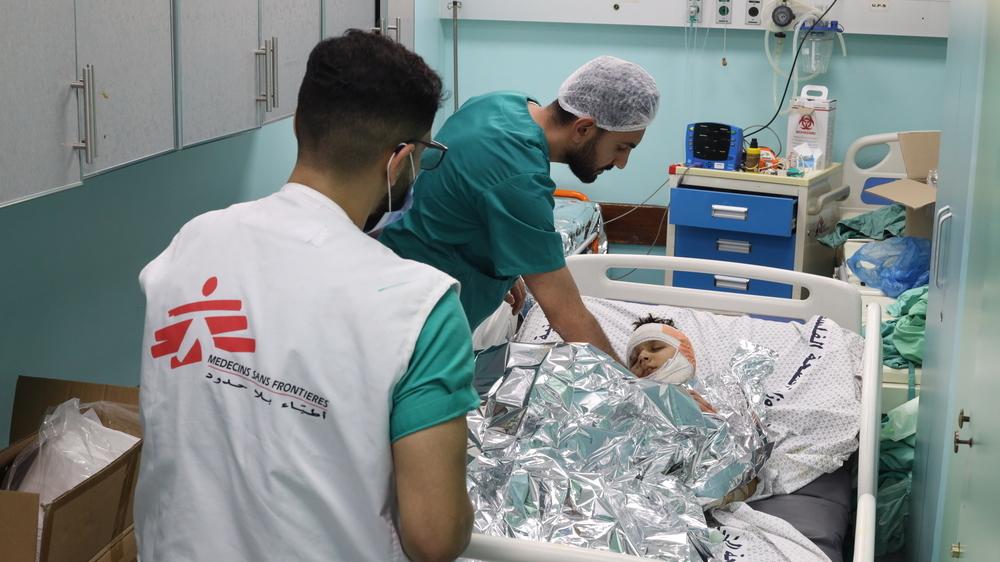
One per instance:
(727,212)
(396,27)
(733,246)
(273,54)
(735,283)
(88,144)
(92,135)
(944,216)
(263,74)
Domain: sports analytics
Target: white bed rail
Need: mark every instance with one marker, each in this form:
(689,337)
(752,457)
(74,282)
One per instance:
(890,166)
(828,297)
(868,438)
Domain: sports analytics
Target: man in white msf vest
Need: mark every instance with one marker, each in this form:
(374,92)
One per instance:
(304,390)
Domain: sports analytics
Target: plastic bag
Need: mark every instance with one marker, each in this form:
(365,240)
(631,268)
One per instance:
(894,265)
(72,445)
(901,421)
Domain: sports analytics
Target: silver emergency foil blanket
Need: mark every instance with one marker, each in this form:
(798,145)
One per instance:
(571,448)
(575,221)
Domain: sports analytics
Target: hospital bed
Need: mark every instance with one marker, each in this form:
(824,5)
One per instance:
(861,179)
(579,222)
(827,297)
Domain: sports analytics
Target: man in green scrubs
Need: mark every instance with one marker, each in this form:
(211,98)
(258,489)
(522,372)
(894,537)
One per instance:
(484,214)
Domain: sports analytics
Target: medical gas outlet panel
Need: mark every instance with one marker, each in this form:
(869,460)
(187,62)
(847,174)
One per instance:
(917,18)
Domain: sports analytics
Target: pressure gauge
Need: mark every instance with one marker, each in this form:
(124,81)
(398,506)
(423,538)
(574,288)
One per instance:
(782,16)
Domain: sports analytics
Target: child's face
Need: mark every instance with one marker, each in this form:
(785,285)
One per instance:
(650,356)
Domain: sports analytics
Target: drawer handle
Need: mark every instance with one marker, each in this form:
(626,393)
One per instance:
(735,283)
(727,212)
(733,246)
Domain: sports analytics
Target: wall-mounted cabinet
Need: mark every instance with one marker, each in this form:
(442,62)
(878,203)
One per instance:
(395,18)
(241,63)
(128,45)
(88,87)
(400,15)
(292,27)
(93,85)
(218,68)
(341,15)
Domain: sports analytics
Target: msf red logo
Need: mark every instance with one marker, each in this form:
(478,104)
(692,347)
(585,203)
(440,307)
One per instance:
(806,123)
(199,326)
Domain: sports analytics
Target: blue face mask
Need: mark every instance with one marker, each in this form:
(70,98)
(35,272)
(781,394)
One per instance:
(391,216)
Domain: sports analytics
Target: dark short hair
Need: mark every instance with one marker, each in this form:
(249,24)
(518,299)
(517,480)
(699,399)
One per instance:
(560,115)
(363,94)
(650,319)
(564,118)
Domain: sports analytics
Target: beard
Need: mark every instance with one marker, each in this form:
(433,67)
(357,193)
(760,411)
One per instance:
(582,162)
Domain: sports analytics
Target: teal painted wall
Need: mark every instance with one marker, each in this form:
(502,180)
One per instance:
(69,296)
(428,42)
(885,84)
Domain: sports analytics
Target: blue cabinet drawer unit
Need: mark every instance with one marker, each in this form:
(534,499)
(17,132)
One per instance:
(722,245)
(757,219)
(736,227)
(738,212)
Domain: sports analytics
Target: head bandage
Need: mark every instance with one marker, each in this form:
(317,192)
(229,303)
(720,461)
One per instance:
(618,95)
(681,367)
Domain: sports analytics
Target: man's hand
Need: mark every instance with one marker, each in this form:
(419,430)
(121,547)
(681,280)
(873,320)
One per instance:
(559,298)
(517,295)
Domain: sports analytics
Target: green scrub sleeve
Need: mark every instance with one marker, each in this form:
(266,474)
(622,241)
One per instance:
(437,386)
(521,230)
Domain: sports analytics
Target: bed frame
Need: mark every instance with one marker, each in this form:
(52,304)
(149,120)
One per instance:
(834,299)
(590,244)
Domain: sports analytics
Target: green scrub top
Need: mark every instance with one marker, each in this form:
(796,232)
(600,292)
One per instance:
(484,216)
(437,386)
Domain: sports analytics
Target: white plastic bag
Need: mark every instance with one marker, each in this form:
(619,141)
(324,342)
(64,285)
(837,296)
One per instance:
(71,447)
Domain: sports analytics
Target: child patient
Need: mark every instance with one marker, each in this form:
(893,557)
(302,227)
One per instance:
(658,351)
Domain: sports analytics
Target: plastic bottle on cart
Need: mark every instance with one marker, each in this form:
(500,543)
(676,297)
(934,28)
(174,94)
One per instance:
(752,162)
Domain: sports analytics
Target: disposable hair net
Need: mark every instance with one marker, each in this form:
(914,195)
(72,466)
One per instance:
(619,95)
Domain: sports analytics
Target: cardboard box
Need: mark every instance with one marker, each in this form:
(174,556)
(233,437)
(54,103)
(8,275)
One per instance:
(920,151)
(81,522)
(810,123)
(122,549)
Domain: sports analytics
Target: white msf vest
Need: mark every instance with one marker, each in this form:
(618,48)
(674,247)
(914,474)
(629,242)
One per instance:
(275,333)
